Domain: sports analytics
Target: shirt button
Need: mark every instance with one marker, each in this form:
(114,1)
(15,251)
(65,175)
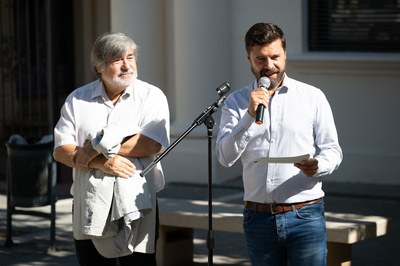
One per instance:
(247,138)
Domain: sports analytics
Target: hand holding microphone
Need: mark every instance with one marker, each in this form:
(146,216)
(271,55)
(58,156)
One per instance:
(264,82)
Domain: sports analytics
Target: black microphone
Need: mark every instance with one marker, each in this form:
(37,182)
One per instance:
(265,83)
(223,89)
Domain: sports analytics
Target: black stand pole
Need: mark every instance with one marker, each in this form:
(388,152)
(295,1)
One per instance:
(208,120)
(210,236)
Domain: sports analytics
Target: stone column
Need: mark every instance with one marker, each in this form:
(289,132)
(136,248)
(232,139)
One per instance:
(198,41)
(184,48)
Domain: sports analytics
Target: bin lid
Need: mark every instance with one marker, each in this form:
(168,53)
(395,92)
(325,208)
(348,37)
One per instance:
(17,141)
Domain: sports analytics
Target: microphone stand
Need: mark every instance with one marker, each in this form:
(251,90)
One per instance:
(206,118)
(210,235)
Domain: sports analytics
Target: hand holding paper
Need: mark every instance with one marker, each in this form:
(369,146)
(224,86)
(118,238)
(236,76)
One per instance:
(308,167)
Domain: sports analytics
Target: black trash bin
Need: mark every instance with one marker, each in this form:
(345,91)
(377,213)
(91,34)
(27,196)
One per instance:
(31,179)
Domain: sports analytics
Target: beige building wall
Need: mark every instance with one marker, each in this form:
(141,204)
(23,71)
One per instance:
(189,47)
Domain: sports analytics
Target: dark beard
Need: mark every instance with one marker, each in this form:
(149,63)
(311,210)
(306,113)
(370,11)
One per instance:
(279,80)
(267,73)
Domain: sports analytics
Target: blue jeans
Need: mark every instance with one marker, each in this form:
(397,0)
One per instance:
(294,238)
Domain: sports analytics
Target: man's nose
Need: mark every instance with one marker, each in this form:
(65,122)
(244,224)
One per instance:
(269,64)
(125,64)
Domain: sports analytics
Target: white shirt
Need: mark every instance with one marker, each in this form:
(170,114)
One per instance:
(88,111)
(298,121)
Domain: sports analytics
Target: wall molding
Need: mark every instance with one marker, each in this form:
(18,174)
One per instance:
(346,63)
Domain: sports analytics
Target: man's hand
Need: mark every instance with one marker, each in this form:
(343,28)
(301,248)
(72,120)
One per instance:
(85,154)
(308,167)
(117,166)
(259,96)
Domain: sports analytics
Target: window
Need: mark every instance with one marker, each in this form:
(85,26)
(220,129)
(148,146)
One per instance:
(354,25)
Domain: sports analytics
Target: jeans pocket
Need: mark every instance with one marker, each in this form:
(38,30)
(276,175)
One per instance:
(311,212)
(247,216)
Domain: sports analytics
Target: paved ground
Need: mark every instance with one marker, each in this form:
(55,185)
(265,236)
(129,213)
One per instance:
(31,233)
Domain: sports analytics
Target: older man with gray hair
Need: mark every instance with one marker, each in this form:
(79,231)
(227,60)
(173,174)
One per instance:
(108,131)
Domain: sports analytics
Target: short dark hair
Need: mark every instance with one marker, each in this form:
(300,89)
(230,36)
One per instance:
(263,33)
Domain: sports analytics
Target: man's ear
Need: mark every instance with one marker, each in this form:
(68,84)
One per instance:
(98,71)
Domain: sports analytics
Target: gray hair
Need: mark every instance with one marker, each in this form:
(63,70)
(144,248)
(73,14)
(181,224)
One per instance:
(109,46)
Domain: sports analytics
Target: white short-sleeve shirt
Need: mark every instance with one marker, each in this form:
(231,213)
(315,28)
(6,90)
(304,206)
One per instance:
(88,110)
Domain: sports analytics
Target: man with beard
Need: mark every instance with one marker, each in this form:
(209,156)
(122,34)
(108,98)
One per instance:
(283,212)
(107,132)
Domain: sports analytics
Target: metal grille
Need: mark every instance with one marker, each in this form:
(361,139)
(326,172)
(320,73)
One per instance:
(27,106)
(36,66)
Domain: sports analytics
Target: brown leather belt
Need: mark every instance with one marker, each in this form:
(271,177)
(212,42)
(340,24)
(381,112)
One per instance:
(275,208)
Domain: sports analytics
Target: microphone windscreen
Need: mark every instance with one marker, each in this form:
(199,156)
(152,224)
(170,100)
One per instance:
(264,82)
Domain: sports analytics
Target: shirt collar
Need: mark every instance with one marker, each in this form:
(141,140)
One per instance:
(99,91)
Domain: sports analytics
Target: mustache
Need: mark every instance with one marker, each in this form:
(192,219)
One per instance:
(267,72)
(126,72)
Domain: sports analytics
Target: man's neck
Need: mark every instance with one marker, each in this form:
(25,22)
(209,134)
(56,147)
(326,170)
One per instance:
(114,92)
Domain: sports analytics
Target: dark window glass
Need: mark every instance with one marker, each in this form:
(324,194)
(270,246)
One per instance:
(354,25)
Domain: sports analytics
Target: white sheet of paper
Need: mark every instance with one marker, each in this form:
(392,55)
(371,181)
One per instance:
(292,159)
